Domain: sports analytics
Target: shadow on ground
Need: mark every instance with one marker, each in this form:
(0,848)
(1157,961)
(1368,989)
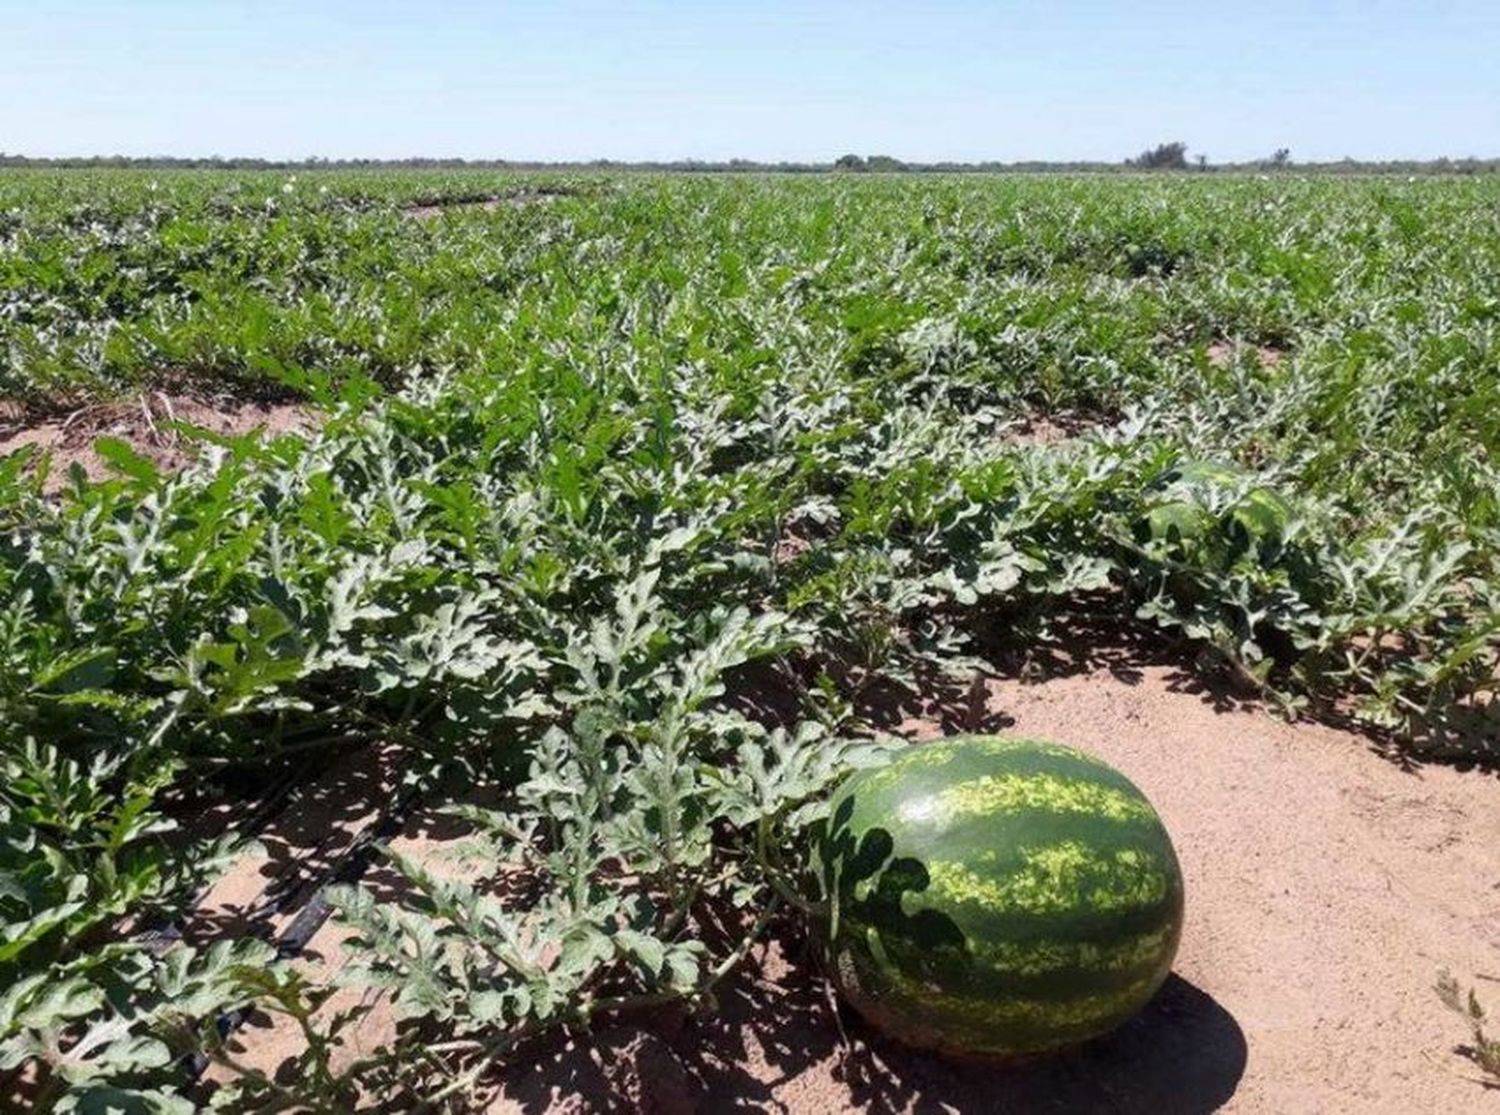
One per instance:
(776,1042)
(1463,734)
(1183,1054)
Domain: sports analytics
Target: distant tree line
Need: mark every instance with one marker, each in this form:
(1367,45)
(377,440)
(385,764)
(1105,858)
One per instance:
(1164,156)
(1171,156)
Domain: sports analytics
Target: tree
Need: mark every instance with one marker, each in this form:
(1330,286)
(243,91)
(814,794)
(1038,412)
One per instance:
(1164,156)
(1282,158)
(1202,162)
(849,162)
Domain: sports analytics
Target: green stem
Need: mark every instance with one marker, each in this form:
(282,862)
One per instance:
(492,1051)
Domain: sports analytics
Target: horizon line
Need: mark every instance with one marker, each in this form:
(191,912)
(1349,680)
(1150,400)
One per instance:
(864,162)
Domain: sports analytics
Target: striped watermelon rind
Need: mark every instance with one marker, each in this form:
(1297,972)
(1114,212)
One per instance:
(996,897)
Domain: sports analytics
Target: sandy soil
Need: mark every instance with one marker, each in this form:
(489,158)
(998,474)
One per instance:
(485,204)
(146,423)
(1040,429)
(1326,887)
(1223,353)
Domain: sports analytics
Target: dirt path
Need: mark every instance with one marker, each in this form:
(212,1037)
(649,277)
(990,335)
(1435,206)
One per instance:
(1326,888)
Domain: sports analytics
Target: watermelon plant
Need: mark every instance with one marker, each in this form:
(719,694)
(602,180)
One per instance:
(627,509)
(1483,1050)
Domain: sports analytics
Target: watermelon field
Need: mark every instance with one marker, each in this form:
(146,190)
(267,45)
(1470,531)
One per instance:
(437,610)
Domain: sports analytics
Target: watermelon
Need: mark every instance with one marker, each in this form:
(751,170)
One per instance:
(994,897)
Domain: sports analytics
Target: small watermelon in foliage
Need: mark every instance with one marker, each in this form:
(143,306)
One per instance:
(1214,514)
(995,897)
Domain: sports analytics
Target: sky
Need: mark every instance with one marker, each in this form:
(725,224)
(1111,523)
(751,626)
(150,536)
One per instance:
(769,80)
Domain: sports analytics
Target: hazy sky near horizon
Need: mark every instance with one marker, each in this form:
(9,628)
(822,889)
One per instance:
(712,79)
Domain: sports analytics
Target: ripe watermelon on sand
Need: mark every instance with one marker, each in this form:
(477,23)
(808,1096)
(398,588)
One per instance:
(993,897)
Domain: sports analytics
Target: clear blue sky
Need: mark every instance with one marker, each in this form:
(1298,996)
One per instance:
(712,79)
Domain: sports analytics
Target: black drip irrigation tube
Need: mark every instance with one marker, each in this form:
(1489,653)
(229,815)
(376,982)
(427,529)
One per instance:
(292,940)
(159,939)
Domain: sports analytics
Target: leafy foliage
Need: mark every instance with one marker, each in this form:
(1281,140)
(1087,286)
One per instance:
(597,476)
(1483,1050)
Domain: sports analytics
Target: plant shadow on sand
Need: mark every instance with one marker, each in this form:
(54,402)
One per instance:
(777,1042)
(948,704)
(1464,735)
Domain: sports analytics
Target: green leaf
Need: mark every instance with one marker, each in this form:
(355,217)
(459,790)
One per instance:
(120,456)
(84,669)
